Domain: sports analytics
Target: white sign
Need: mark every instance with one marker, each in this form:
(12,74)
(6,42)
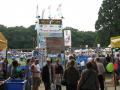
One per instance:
(67,38)
(86,46)
(48,28)
(51,34)
(42,43)
(98,45)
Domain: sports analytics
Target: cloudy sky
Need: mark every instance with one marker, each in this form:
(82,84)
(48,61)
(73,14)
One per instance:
(79,14)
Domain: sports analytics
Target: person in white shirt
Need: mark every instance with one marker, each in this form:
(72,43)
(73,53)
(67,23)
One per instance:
(36,75)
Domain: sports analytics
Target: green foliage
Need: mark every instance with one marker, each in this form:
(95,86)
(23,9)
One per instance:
(19,37)
(108,23)
(22,38)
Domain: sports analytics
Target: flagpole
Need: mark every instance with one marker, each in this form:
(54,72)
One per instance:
(37,23)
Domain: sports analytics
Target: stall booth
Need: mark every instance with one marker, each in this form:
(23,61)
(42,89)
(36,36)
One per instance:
(3,47)
(115,43)
(3,42)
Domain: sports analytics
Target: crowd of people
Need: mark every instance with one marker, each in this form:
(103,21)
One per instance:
(90,76)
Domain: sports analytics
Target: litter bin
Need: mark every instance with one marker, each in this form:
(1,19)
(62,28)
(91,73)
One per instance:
(15,84)
(2,84)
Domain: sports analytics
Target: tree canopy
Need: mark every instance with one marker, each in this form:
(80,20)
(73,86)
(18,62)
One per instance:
(108,23)
(19,37)
(25,38)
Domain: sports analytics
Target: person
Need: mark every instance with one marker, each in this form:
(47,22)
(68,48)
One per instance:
(14,69)
(108,58)
(28,74)
(101,73)
(71,76)
(116,76)
(58,74)
(47,74)
(1,69)
(88,79)
(70,59)
(94,65)
(5,68)
(36,75)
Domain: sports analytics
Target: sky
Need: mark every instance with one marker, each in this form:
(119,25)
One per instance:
(79,14)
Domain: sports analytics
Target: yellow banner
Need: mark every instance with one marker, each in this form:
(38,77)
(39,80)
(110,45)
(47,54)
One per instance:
(115,42)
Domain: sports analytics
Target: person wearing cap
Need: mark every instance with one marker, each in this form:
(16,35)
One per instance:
(36,75)
(47,74)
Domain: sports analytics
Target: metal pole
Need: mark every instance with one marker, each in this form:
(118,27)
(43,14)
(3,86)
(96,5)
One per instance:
(38,39)
(6,53)
(114,71)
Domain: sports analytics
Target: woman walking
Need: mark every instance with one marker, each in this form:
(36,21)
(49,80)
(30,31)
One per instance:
(88,79)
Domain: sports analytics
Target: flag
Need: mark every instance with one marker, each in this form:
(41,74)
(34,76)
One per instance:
(43,11)
(49,9)
(59,7)
(59,11)
(37,11)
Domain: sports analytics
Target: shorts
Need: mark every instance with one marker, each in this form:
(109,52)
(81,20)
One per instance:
(36,81)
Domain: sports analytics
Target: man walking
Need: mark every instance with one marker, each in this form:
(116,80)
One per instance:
(47,75)
(101,73)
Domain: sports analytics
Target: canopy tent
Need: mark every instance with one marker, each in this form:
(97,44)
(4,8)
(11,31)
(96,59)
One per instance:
(115,42)
(3,42)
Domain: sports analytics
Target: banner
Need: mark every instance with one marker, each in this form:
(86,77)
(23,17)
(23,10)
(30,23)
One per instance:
(67,38)
(50,27)
(51,34)
(42,42)
(50,21)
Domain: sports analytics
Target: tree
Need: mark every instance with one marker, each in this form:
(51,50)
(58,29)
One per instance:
(19,37)
(25,38)
(108,23)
